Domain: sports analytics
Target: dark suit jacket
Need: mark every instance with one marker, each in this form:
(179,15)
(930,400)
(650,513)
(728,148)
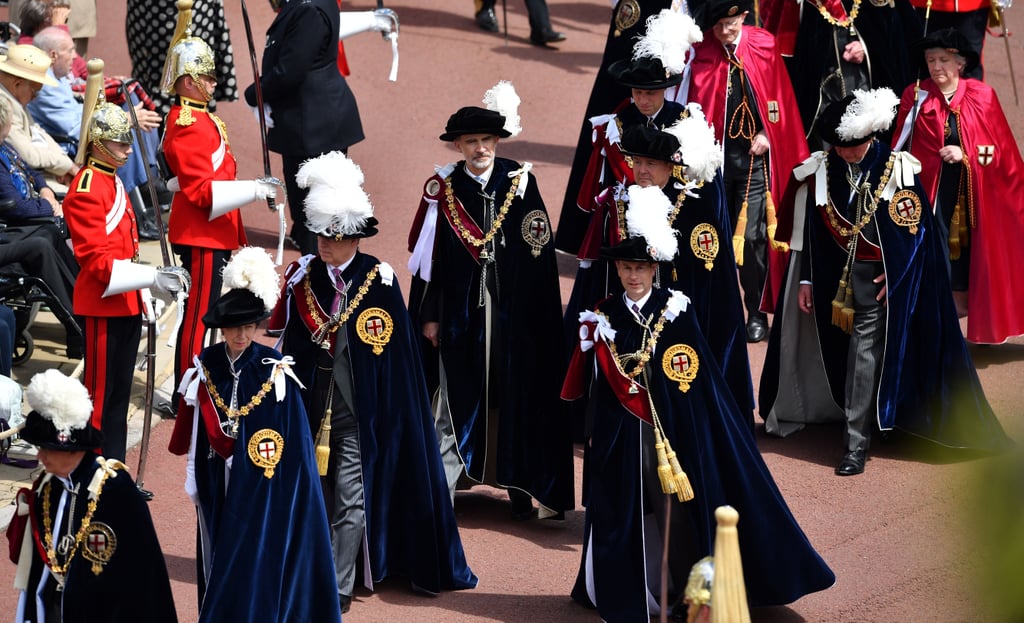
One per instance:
(314,111)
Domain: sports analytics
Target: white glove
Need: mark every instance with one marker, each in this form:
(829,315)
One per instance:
(266,190)
(173,279)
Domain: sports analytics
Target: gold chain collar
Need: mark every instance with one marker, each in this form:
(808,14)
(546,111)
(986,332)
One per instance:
(841,23)
(59,570)
(642,356)
(833,218)
(244,410)
(466,235)
(330,325)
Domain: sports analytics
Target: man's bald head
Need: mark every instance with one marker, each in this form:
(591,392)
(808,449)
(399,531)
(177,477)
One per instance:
(56,42)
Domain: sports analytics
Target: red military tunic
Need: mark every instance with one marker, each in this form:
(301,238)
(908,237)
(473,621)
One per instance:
(197,150)
(102,226)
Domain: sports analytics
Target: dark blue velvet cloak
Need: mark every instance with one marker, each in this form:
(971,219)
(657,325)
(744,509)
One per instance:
(534,444)
(928,386)
(270,551)
(724,466)
(715,293)
(410,522)
(133,585)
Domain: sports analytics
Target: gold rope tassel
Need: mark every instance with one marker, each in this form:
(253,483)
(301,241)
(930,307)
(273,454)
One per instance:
(668,484)
(772,223)
(842,304)
(323,444)
(738,235)
(683,489)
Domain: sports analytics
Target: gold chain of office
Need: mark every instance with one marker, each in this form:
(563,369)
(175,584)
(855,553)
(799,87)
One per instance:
(234,414)
(642,356)
(842,23)
(83,530)
(465,233)
(830,209)
(319,320)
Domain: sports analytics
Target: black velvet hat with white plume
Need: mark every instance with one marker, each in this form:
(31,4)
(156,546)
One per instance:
(61,414)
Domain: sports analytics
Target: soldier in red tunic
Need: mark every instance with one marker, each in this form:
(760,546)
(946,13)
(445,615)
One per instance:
(204,226)
(106,243)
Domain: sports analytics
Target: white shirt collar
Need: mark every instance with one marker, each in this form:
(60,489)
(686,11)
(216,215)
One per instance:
(640,304)
(481,179)
(331,272)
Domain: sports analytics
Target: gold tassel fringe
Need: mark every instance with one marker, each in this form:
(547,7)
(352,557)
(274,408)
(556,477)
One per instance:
(954,232)
(773,223)
(323,444)
(683,489)
(668,484)
(842,304)
(738,235)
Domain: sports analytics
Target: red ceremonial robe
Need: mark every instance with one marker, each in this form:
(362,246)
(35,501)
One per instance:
(995,297)
(777,108)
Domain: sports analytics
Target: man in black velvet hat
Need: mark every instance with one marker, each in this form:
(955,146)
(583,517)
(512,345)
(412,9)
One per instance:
(485,295)
(103,560)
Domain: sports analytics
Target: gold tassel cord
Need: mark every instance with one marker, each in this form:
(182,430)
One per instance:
(738,235)
(955,224)
(668,484)
(682,482)
(772,221)
(323,444)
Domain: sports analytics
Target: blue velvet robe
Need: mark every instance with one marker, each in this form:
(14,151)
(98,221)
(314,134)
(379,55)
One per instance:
(133,584)
(410,522)
(534,443)
(721,459)
(266,539)
(928,385)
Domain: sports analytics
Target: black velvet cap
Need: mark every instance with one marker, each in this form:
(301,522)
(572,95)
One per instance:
(235,308)
(949,39)
(714,10)
(643,73)
(40,431)
(640,140)
(630,250)
(829,120)
(474,120)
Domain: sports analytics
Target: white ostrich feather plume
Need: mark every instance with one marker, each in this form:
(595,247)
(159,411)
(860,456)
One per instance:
(503,99)
(669,37)
(336,203)
(253,269)
(647,216)
(700,153)
(871,111)
(60,399)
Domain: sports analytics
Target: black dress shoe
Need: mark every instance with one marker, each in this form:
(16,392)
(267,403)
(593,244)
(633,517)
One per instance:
(852,463)
(148,233)
(487,20)
(546,37)
(346,603)
(520,505)
(757,329)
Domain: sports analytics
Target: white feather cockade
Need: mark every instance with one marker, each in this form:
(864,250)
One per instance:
(669,36)
(870,111)
(60,399)
(253,269)
(336,203)
(647,216)
(503,99)
(698,151)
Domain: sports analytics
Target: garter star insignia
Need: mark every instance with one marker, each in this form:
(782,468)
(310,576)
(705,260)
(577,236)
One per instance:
(680,363)
(536,231)
(374,327)
(704,243)
(905,209)
(626,16)
(265,448)
(100,544)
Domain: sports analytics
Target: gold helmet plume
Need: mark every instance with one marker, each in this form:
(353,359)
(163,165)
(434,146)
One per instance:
(101,120)
(187,55)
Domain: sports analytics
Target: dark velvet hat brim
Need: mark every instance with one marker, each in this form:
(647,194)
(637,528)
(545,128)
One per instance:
(645,73)
(474,120)
(829,120)
(949,39)
(644,142)
(629,250)
(235,308)
(40,432)
(715,10)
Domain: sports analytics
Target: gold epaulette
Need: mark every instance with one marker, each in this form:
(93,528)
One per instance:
(185,117)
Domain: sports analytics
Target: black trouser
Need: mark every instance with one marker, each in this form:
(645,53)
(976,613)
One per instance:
(754,270)
(111,348)
(540,19)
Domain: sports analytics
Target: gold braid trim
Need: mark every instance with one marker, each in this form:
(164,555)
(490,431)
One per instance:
(330,325)
(833,218)
(466,235)
(642,356)
(51,554)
